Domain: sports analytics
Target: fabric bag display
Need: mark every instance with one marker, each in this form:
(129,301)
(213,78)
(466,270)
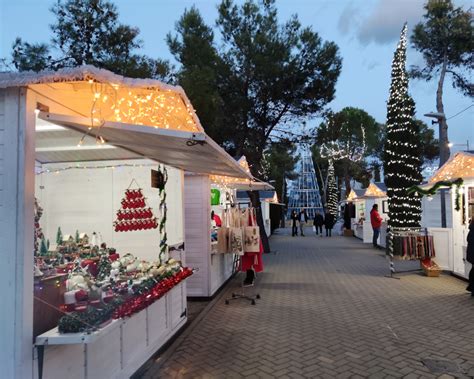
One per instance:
(223,235)
(251,235)
(236,235)
(215,196)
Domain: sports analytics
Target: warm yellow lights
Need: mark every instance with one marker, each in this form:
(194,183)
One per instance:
(374,191)
(461,165)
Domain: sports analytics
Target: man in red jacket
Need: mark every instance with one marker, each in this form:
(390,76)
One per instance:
(376,222)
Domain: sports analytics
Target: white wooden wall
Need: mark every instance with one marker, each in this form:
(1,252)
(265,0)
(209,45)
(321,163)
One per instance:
(431,211)
(197,226)
(215,269)
(16,232)
(124,347)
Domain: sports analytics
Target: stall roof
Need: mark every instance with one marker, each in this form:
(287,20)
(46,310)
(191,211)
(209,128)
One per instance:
(239,183)
(460,165)
(189,151)
(143,117)
(373,190)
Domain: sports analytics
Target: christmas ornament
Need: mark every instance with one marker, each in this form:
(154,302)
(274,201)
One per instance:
(134,214)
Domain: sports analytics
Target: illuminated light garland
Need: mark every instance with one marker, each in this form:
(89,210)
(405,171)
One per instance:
(332,199)
(163,210)
(80,167)
(402,165)
(338,150)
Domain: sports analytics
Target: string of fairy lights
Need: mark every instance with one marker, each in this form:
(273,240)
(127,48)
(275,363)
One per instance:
(402,165)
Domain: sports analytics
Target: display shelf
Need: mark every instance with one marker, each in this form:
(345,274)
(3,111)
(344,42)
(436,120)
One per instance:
(53,337)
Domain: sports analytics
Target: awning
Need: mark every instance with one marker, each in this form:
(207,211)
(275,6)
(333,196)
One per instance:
(190,151)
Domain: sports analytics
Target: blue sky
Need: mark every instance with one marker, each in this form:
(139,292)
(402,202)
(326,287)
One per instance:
(366,32)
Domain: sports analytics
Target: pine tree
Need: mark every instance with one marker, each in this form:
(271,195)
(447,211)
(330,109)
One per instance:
(59,236)
(104,267)
(402,165)
(332,198)
(77,236)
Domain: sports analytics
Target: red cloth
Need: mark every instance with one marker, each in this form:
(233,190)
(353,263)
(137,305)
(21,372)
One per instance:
(218,220)
(375,219)
(249,260)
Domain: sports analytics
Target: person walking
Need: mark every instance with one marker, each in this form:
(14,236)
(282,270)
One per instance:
(470,256)
(294,223)
(303,219)
(376,222)
(328,223)
(318,223)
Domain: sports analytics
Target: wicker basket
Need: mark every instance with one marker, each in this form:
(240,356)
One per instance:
(432,271)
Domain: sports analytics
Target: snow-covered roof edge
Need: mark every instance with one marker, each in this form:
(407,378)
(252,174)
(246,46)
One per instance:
(85,73)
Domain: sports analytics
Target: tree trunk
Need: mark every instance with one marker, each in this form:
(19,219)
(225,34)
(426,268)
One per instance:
(443,126)
(347,180)
(254,197)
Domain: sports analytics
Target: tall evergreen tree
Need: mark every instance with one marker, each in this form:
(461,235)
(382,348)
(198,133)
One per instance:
(331,192)
(402,166)
(89,32)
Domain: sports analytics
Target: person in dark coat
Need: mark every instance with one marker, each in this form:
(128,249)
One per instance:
(470,256)
(318,223)
(328,223)
(294,223)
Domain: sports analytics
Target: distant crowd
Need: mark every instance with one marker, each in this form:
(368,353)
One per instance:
(300,220)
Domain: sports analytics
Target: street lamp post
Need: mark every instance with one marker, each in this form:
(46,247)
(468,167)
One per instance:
(442,159)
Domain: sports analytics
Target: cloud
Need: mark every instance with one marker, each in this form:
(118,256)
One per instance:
(348,18)
(384,22)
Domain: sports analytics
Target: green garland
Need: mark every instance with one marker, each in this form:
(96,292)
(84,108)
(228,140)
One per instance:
(163,172)
(442,183)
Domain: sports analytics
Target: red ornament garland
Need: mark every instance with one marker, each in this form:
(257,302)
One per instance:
(140,302)
(134,215)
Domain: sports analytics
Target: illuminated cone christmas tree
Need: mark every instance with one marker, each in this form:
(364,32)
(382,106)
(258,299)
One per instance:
(402,166)
(305,191)
(331,191)
(134,213)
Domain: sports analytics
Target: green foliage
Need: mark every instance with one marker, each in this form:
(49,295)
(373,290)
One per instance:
(428,145)
(445,36)
(344,130)
(88,32)
(401,158)
(193,47)
(77,236)
(281,160)
(263,74)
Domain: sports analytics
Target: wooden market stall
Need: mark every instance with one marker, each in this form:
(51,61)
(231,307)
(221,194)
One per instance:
(77,147)
(450,242)
(374,194)
(214,268)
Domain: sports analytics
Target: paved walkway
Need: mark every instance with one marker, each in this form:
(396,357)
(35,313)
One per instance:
(327,311)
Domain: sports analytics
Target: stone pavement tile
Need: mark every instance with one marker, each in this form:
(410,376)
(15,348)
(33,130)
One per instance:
(327,310)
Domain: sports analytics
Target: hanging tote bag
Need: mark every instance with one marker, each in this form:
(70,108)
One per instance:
(236,235)
(215,196)
(252,234)
(223,235)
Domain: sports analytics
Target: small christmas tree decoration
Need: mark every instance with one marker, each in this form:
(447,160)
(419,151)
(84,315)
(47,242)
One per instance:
(59,236)
(43,247)
(402,166)
(134,213)
(38,231)
(104,267)
(332,197)
(77,236)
